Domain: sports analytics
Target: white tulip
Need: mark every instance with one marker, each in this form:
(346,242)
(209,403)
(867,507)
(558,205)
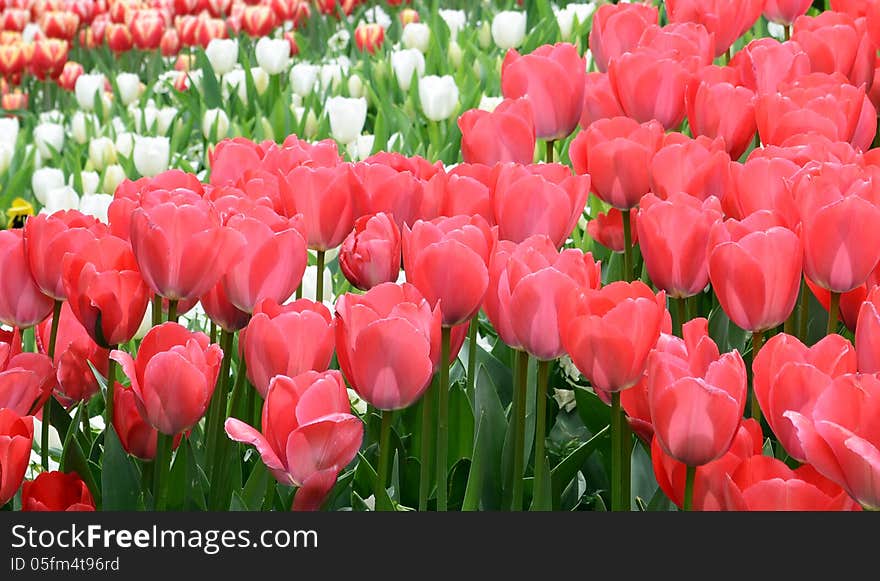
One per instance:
(261,80)
(355,86)
(113,176)
(86,88)
(361,148)
(6,153)
(49,139)
(339,41)
(509,29)
(455,54)
(273,54)
(222,53)
(53,116)
(44,180)
(129,85)
(89,180)
(488,103)
(164,119)
(302,78)
(405,63)
(565,17)
(234,82)
(9,131)
(310,129)
(82,125)
(151,155)
(144,119)
(95,205)
(58,199)
(378,16)
(102,152)
(124,144)
(215,124)
(416,35)
(347,117)
(438,96)
(455,20)
(331,75)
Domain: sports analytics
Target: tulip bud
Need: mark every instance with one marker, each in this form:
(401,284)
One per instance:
(129,85)
(438,96)
(86,88)
(151,155)
(405,63)
(49,139)
(113,176)
(222,53)
(347,118)
(273,55)
(124,143)
(509,29)
(355,86)
(80,124)
(164,119)
(44,180)
(302,78)
(455,54)
(101,152)
(416,35)
(215,124)
(89,181)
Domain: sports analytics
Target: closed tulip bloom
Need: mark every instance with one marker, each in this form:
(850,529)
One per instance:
(308,434)
(764,483)
(696,395)
(48,237)
(429,248)
(762,183)
(841,437)
(497,303)
(22,304)
(507,134)
(388,344)
(370,254)
(56,491)
(273,54)
(75,354)
(726,20)
(736,125)
(137,437)
(287,340)
(26,379)
(606,228)
(382,187)
(552,78)
(173,376)
(837,42)
(689,43)
(788,375)
(755,270)
(698,167)
(765,64)
(540,278)
(16,440)
(650,86)
(508,29)
(868,334)
(464,190)
(347,117)
(222,312)
(611,353)
(438,97)
(674,234)
(600,102)
(617,29)
(544,200)
(709,478)
(369,37)
(617,155)
(785,11)
(325,196)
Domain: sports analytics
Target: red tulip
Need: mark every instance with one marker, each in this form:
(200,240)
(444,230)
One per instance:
(507,134)
(765,64)
(147,29)
(105,289)
(137,437)
(552,78)
(706,100)
(497,303)
(49,56)
(258,20)
(48,237)
(611,353)
(803,148)
(868,333)
(287,340)
(600,102)
(634,402)
(308,434)
(56,492)
(464,190)
(539,279)
(837,42)
(21,302)
(388,344)
(294,152)
(788,375)
(429,248)
(709,478)
(169,44)
(674,234)
(75,351)
(617,155)
(617,29)
(69,74)
(761,183)
(119,37)
(130,195)
(688,43)
(16,440)
(650,86)
(543,199)
(180,246)
(222,312)
(418,166)
(173,376)
(370,254)
(726,20)
(369,37)
(231,158)
(325,198)
(607,229)
(785,11)
(13,61)
(696,395)
(841,436)
(755,270)
(764,483)
(698,167)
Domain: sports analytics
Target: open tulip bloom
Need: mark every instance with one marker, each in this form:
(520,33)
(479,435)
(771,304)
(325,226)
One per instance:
(409,255)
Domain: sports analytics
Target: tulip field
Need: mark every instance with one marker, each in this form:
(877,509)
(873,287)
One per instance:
(439,255)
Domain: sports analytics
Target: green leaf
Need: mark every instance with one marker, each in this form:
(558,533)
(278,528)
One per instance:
(254,491)
(566,470)
(210,84)
(73,459)
(543,499)
(475,477)
(592,410)
(186,481)
(461,425)
(120,481)
(725,334)
(384,501)
(490,436)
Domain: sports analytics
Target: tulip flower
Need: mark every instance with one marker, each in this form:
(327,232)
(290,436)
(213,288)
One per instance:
(837,42)
(16,440)
(755,270)
(552,78)
(617,28)
(151,155)
(840,436)
(725,20)
(405,63)
(600,102)
(650,86)
(762,183)
(868,333)
(56,492)
(688,43)
(507,134)
(543,199)
(416,35)
(273,55)
(222,53)
(765,65)
(325,198)
(698,167)
(222,312)
(69,74)
(49,139)
(347,117)
(287,340)
(137,437)
(438,96)
(371,254)
(606,228)
(308,434)
(785,11)
(369,37)
(705,102)
(378,186)
(464,190)
(22,304)
(788,375)
(508,29)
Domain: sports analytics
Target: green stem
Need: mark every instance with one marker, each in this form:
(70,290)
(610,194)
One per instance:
(787,29)
(172,310)
(627,247)
(111,386)
(803,311)
(269,499)
(443,420)
(833,313)
(47,409)
(681,315)
(616,445)
(729,54)
(425,459)
(384,454)
(549,157)
(157,310)
(319,285)
(212,334)
(689,487)
(214,425)
(53,335)
(299,292)
(540,427)
(237,389)
(519,434)
(472,359)
(757,343)
(164,443)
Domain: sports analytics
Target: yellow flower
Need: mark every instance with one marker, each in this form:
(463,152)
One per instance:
(18,213)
